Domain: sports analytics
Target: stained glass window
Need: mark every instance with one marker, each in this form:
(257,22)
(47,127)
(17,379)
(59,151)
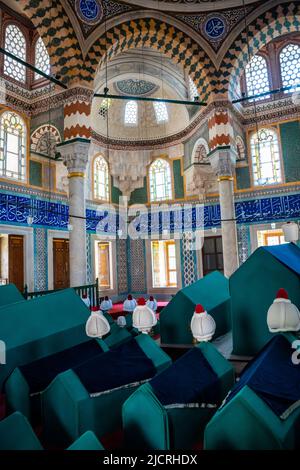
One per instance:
(42,60)
(265,157)
(15,43)
(192,89)
(131,113)
(161,112)
(12,146)
(101,179)
(160,180)
(290,65)
(257,78)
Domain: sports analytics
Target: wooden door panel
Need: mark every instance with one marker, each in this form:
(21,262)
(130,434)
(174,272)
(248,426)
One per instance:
(61,272)
(16,260)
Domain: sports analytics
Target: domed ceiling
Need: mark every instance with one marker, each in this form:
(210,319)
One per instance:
(189,5)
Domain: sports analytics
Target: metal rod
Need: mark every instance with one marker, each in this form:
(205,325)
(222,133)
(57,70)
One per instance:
(34,69)
(266,93)
(154,100)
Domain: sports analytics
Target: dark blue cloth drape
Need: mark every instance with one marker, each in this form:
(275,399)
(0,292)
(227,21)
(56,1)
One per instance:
(123,365)
(273,376)
(39,374)
(190,379)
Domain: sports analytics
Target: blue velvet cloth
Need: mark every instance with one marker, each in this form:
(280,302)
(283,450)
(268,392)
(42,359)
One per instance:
(288,254)
(39,374)
(120,366)
(190,379)
(273,376)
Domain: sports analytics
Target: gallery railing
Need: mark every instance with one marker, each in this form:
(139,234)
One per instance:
(92,291)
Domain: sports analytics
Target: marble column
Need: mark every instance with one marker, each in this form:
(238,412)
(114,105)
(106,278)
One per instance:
(223,163)
(75,156)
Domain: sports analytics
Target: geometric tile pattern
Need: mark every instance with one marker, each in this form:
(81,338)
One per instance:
(90,277)
(137,266)
(243,243)
(122,266)
(40,259)
(188,260)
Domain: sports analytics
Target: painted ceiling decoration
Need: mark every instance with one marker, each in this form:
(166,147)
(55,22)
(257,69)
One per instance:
(67,60)
(189,5)
(89,11)
(135,87)
(159,36)
(215,27)
(106,9)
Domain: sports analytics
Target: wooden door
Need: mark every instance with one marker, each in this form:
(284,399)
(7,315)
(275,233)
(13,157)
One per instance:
(16,260)
(104,265)
(61,271)
(212,253)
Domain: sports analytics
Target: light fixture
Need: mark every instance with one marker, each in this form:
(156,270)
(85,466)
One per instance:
(291,232)
(203,325)
(214,230)
(97,326)
(143,318)
(70,227)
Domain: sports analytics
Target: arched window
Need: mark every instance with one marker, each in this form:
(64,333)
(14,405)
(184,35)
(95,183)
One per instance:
(131,113)
(265,157)
(16,44)
(161,112)
(160,180)
(101,179)
(290,65)
(12,146)
(42,59)
(257,78)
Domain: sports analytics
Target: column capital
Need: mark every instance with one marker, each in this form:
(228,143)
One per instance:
(223,161)
(75,154)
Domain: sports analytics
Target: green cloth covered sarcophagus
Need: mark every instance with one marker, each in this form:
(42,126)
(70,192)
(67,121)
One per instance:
(171,411)
(262,411)
(17,434)
(213,293)
(253,288)
(24,386)
(9,294)
(90,396)
(35,328)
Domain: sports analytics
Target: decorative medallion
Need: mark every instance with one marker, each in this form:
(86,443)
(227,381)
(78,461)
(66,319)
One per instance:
(135,87)
(89,11)
(215,27)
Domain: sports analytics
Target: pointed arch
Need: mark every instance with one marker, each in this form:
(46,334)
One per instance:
(158,35)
